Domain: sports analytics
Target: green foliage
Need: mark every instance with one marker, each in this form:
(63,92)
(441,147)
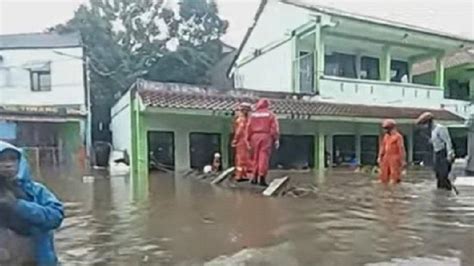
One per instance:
(126,40)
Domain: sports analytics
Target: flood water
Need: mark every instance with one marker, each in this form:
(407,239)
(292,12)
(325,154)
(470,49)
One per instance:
(350,221)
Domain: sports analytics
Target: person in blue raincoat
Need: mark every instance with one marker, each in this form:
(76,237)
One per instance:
(27,208)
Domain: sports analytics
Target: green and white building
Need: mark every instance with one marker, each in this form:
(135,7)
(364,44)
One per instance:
(331,76)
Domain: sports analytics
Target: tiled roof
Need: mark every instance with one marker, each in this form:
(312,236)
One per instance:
(39,40)
(457,59)
(176,96)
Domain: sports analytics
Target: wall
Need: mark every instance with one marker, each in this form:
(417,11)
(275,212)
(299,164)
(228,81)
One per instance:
(183,125)
(121,124)
(275,24)
(67,77)
(269,72)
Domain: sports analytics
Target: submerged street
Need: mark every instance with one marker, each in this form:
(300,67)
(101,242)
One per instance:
(351,220)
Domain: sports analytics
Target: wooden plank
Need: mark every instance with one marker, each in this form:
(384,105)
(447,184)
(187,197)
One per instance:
(223,176)
(275,185)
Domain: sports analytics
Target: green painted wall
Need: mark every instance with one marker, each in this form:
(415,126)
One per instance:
(70,135)
(184,124)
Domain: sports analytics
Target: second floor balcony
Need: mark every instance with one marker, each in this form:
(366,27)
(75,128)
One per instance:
(357,68)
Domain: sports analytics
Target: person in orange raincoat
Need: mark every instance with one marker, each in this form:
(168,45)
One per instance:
(240,143)
(391,157)
(262,133)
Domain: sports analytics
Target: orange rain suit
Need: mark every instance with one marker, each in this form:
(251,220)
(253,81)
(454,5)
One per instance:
(391,157)
(262,132)
(240,143)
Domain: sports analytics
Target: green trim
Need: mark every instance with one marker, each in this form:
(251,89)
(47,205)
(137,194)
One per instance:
(439,77)
(385,64)
(320,151)
(319,57)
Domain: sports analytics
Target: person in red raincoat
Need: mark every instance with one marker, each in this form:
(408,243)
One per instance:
(262,133)
(391,153)
(240,143)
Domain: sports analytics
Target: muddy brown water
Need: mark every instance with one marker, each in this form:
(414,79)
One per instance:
(350,221)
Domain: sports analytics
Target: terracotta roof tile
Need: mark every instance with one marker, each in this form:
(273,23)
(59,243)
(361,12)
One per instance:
(169,96)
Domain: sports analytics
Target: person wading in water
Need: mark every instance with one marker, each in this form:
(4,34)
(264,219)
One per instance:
(444,156)
(391,153)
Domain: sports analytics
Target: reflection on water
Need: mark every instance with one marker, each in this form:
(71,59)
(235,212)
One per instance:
(351,221)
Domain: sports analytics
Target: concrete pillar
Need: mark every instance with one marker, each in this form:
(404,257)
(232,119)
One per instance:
(225,142)
(385,64)
(181,150)
(358,148)
(318,56)
(439,78)
(410,148)
(295,64)
(329,148)
(320,151)
(471,89)
(139,154)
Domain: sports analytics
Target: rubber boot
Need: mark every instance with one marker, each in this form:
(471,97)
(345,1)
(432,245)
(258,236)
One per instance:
(262,182)
(254,181)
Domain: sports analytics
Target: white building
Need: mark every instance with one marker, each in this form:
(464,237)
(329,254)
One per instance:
(44,94)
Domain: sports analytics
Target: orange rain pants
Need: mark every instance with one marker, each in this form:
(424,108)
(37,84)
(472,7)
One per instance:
(391,157)
(240,143)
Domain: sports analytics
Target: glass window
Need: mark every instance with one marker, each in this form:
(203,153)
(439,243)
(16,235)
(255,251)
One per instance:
(399,71)
(458,90)
(40,80)
(340,65)
(369,68)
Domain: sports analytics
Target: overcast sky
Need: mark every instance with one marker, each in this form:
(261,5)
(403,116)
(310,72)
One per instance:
(453,16)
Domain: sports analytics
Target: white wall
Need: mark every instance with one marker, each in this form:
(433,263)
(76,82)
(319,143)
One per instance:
(268,72)
(275,23)
(67,77)
(121,124)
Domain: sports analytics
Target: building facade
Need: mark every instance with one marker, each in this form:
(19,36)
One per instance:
(44,95)
(331,77)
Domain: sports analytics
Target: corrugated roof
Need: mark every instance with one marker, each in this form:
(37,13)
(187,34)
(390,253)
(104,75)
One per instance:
(453,60)
(39,40)
(179,96)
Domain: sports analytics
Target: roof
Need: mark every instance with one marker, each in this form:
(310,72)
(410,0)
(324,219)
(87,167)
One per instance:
(341,13)
(371,19)
(453,60)
(182,96)
(40,40)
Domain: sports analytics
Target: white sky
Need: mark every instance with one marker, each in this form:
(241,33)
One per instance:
(453,16)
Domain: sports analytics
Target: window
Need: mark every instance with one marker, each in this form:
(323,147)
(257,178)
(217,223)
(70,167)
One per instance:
(399,71)
(369,68)
(458,90)
(40,80)
(40,76)
(340,65)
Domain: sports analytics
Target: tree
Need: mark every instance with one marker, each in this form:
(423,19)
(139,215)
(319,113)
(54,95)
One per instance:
(130,39)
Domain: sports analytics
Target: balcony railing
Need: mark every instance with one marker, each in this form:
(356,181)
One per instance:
(369,92)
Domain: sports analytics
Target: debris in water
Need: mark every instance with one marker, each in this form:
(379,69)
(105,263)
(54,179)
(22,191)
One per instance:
(275,185)
(88,179)
(80,252)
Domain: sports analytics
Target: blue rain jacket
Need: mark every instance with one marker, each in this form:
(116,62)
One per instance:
(41,212)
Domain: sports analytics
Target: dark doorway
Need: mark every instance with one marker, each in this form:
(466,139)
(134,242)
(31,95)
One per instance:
(202,148)
(161,148)
(343,149)
(460,146)
(369,150)
(295,152)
